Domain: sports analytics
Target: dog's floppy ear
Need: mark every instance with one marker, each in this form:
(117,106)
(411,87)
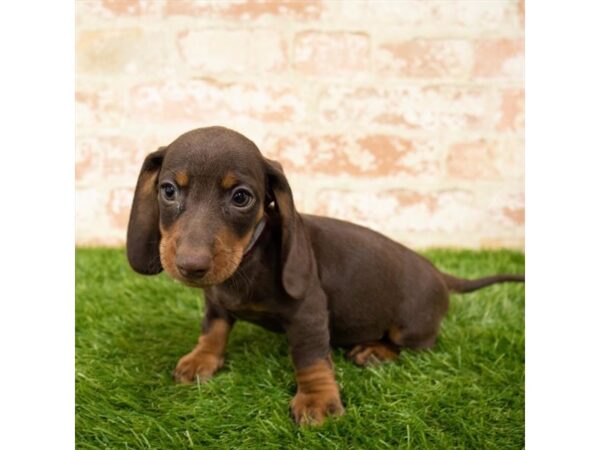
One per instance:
(143,234)
(296,254)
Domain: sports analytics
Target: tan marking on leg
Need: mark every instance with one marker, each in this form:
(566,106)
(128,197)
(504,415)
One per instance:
(208,356)
(228,180)
(318,395)
(215,339)
(395,335)
(372,353)
(182,179)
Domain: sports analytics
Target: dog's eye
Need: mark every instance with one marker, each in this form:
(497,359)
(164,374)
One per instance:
(241,198)
(169,191)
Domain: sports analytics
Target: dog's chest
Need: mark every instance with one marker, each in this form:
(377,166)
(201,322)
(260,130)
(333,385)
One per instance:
(257,311)
(265,319)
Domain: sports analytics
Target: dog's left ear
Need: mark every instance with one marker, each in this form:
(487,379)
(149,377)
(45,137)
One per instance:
(143,234)
(296,253)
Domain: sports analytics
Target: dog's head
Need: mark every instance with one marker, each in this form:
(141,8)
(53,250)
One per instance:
(199,203)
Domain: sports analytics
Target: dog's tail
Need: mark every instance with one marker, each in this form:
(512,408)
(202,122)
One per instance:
(463,286)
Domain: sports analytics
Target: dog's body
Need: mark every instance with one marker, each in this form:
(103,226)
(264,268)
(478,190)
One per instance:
(321,281)
(357,309)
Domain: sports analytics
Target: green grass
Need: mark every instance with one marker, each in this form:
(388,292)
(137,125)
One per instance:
(467,392)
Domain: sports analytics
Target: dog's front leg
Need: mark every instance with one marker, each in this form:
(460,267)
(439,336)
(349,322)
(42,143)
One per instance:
(317,393)
(209,354)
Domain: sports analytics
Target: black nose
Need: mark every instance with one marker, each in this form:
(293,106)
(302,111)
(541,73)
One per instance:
(193,265)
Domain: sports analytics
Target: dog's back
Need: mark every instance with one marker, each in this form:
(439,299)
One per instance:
(374,283)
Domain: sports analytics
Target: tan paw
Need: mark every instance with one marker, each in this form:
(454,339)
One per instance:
(313,408)
(372,354)
(197,366)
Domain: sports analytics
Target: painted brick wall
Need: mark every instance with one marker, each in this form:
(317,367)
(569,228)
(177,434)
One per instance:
(405,116)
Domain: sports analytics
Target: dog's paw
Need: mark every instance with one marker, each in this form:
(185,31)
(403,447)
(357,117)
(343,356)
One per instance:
(313,408)
(372,354)
(197,366)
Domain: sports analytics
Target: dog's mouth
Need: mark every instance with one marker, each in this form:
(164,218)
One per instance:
(192,281)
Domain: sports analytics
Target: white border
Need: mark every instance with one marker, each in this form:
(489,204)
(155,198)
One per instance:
(37,224)
(562,225)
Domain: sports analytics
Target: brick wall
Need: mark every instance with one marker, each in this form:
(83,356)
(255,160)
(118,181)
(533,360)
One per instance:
(405,116)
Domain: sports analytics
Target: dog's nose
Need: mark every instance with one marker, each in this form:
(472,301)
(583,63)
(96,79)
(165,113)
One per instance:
(193,265)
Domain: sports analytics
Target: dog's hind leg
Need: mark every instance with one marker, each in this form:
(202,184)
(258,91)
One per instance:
(373,353)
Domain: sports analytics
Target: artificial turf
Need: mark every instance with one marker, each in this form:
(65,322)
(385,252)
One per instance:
(467,392)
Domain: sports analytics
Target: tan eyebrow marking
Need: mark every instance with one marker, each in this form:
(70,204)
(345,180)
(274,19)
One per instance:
(228,180)
(182,179)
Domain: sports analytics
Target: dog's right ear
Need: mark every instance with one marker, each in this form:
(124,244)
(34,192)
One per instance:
(143,234)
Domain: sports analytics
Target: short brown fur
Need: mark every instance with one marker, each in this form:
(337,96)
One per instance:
(395,335)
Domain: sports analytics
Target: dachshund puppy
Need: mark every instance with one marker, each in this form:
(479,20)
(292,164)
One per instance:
(215,214)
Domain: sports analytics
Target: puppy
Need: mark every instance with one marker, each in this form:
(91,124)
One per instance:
(215,214)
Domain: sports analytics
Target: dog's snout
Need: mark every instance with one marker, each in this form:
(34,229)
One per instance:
(193,265)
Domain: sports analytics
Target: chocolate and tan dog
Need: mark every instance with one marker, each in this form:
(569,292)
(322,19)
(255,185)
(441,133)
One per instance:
(215,214)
